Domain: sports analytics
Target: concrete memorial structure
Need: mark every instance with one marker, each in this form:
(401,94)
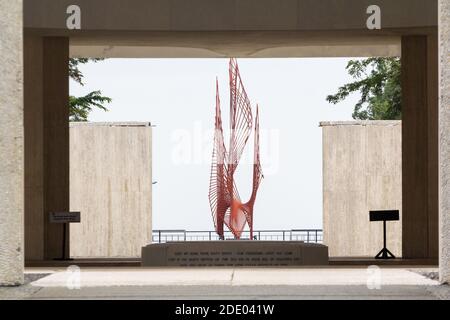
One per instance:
(362,171)
(56,29)
(111,185)
(234,253)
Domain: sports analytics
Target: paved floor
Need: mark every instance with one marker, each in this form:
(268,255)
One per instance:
(229,283)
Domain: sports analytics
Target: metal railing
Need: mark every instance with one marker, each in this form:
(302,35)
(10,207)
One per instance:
(306,235)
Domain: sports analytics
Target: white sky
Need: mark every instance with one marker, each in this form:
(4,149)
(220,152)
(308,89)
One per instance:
(178,97)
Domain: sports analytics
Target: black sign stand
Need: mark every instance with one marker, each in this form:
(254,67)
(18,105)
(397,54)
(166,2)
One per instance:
(65,218)
(64,246)
(386,215)
(384,253)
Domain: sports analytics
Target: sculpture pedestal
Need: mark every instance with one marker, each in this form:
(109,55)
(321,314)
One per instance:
(234,253)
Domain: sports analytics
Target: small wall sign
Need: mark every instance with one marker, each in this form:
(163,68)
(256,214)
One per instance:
(65,217)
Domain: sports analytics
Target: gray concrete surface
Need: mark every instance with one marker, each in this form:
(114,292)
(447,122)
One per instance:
(246,292)
(229,283)
(239,276)
(11,143)
(444,128)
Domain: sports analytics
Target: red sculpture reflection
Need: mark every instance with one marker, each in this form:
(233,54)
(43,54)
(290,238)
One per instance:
(226,205)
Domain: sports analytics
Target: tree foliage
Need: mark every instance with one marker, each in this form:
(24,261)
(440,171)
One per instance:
(379,83)
(80,107)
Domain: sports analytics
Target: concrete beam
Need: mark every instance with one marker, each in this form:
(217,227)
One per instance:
(225,28)
(444,131)
(249,44)
(11,143)
(227,15)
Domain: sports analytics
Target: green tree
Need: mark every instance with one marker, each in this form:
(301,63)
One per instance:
(80,107)
(378,81)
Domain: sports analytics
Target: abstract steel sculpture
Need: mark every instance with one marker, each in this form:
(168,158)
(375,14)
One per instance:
(226,205)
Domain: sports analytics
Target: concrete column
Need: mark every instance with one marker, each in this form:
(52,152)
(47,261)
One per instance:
(11,143)
(34,148)
(433,144)
(444,133)
(419,147)
(414,147)
(46,116)
(55,139)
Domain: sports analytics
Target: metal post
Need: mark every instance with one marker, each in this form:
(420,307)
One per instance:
(64,241)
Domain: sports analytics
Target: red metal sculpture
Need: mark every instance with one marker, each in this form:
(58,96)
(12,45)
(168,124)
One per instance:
(226,205)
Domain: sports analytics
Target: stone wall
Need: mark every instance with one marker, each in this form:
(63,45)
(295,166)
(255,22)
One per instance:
(444,128)
(11,143)
(111,185)
(362,171)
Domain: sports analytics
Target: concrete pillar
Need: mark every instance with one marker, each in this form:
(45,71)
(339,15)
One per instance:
(11,143)
(419,147)
(34,148)
(55,139)
(433,144)
(46,119)
(444,133)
